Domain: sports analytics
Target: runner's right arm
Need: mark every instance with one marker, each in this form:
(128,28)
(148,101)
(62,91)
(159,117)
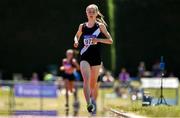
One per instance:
(77,36)
(61,68)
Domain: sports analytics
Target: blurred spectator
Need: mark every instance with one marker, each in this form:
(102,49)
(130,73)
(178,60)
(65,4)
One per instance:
(120,91)
(142,72)
(141,69)
(124,76)
(117,88)
(156,70)
(102,73)
(108,77)
(17,77)
(35,78)
(77,75)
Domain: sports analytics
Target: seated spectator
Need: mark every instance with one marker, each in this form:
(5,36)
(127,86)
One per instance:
(108,77)
(35,78)
(156,70)
(141,69)
(124,76)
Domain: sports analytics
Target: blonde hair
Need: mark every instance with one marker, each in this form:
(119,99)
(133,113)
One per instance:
(69,51)
(100,17)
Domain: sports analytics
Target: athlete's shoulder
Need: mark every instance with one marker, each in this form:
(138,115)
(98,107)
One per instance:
(64,60)
(100,24)
(74,60)
(81,26)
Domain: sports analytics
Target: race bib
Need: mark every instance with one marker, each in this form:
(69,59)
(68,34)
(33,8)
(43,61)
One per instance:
(88,39)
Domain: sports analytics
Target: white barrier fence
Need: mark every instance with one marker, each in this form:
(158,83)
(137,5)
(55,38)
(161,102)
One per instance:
(167,83)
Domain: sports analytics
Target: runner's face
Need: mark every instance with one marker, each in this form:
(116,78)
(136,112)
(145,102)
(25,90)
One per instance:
(69,55)
(91,13)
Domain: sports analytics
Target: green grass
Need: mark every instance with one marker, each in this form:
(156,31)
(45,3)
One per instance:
(151,111)
(104,104)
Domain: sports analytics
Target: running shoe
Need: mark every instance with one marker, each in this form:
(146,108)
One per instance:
(90,107)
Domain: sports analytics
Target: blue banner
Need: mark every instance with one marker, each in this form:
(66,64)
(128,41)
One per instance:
(35,90)
(38,112)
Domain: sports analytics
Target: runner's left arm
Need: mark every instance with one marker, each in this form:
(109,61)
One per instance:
(107,40)
(76,64)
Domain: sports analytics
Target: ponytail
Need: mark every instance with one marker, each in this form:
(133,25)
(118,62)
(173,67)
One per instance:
(100,18)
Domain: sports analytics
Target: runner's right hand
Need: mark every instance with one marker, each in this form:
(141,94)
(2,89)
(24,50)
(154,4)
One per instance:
(76,44)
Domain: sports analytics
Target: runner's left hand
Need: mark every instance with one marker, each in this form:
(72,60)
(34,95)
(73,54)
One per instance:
(94,41)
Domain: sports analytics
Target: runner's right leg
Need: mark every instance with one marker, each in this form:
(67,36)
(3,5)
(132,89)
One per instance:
(67,97)
(85,71)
